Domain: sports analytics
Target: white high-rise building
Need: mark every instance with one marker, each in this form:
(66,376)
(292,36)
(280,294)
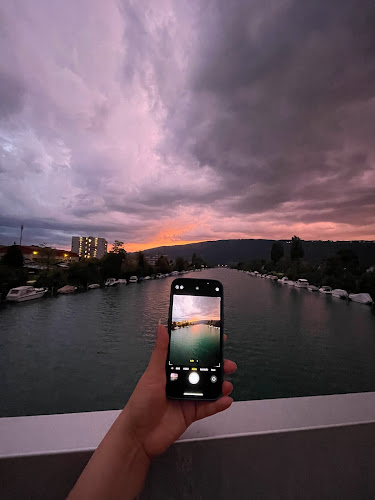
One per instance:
(89,246)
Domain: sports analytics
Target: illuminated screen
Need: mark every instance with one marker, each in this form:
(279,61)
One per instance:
(195,331)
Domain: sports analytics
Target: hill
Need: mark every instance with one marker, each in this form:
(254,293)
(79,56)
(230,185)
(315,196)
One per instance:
(233,251)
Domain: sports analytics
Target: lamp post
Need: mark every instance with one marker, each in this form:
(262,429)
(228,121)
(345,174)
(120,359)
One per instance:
(21,235)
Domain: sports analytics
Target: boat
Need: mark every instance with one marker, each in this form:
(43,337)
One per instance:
(147,278)
(313,288)
(67,289)
(340,293)
(301,283)
(133,279)
(362,298)
(283,280)
(122,281)
(111,282)
(93,286)
(158,276)
(325,289)
(24,293)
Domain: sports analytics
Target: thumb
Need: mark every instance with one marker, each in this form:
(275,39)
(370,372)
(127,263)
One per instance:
(159,354)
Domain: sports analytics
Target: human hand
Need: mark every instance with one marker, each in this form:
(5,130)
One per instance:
(155,421)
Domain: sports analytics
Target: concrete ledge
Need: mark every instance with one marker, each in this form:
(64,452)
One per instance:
(77,432)
(312,447)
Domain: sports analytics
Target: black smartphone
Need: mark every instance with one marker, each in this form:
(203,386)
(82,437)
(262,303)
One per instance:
(195,355)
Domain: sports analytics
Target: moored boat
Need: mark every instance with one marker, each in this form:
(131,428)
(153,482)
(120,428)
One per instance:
(24,293)
(111,282)
(93,286)
(313,288)
(122,281)
(325,289)
(133,279)
(67,289)
(362,298)
(283,280)
(340,293)
(301,283)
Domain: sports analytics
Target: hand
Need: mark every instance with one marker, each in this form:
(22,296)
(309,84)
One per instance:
(154,421)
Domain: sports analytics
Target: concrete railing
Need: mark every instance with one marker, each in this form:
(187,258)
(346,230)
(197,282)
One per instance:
(310,447)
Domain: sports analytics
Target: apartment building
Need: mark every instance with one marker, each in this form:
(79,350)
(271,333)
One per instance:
(89,246)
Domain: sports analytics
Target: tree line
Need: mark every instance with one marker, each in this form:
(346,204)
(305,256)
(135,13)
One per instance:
(115,264)
(342,270)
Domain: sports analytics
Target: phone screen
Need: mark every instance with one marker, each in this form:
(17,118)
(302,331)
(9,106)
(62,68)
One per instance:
(194,363)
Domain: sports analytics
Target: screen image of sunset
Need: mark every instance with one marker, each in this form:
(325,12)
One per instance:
(195,330)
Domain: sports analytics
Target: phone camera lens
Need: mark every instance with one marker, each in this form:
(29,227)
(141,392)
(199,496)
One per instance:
(177,287)
(197,287)
(181,287)
(217,288)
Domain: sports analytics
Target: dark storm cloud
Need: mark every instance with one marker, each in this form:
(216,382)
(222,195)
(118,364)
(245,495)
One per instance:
(275,93)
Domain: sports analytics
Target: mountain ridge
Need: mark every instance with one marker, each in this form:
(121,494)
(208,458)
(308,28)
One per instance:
(231,251)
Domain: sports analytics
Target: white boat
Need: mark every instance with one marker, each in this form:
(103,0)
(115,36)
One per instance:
(122,281)
(340,293)
(301,283)
(67,289)
(283,280)
(147,278)
(158,276)
(111,282)
(313,288)
(174,273)
(325,289)
(133,279)
(23,293)
(362,298)
(93,286)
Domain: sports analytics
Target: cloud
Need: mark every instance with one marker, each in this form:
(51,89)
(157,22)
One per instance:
(165,121)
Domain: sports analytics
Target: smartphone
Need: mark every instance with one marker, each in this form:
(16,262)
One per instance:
(195,355)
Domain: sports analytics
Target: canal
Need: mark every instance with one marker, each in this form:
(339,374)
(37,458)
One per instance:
(86,351)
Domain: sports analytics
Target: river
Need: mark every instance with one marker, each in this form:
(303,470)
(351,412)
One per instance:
(86,351)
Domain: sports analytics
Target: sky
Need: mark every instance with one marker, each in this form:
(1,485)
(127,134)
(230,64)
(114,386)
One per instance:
(195,308)
(160,122)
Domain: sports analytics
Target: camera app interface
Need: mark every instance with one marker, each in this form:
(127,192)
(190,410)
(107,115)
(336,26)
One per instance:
(194,356)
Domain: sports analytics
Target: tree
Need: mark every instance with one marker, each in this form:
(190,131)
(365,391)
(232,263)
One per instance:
(277,251)
(117,246)
(111,265)
(143,267)
(47,255)
(162,265)
(197,262)
(181,264)
(13,257)
(296,249)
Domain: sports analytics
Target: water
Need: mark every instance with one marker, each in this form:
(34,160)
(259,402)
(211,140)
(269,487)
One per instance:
(200,342)
(85,352)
